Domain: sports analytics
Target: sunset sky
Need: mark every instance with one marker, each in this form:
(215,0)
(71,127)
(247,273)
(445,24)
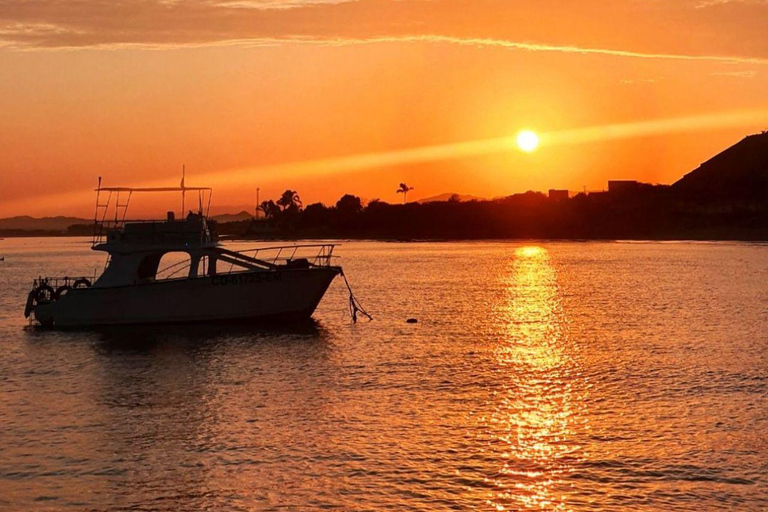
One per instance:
(270,93)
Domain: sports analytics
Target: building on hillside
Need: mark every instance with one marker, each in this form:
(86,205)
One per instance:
(558,195)
(623,186)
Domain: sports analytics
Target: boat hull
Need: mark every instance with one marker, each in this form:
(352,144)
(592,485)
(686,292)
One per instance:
(238,297)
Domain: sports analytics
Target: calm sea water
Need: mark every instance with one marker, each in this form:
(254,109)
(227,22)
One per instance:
(541,376)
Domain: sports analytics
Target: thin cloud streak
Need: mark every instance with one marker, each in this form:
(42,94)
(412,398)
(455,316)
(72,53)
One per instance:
(276,4)
(438,39)
(537,47)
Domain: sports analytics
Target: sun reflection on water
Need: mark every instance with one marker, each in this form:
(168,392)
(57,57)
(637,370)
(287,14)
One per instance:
(535,414)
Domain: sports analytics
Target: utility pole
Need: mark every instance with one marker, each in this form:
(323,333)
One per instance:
(183,191)
(258,203)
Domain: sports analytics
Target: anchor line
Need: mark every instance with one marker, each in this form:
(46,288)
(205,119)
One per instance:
(354,305)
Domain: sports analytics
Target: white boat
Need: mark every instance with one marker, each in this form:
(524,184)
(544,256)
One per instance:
(210,284)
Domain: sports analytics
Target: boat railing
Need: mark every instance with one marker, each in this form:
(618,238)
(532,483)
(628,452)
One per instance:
(56,282)
(318,255)
(266,258)
(153,233)
(102,227)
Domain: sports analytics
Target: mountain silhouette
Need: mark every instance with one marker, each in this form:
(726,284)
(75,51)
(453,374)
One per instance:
(740,173)
(27,223)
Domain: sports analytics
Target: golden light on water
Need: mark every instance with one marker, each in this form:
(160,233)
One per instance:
(527,141)
(537,415)
(530,252)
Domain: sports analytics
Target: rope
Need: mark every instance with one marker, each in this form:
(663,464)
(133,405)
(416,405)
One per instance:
(354,305)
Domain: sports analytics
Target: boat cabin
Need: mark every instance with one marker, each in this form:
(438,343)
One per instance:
(137,248)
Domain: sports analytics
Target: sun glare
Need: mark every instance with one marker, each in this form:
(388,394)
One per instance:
(527,141)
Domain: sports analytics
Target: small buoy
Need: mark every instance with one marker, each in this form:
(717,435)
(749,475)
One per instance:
(412,321)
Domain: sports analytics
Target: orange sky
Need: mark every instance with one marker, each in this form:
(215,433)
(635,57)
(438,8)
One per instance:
(235,88)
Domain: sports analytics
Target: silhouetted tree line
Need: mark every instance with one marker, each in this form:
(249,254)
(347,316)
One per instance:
(725,198)
(649,212)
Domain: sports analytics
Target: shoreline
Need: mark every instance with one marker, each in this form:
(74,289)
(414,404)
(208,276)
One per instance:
(308,238)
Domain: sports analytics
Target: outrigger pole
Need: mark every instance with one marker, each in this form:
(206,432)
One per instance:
(98,193)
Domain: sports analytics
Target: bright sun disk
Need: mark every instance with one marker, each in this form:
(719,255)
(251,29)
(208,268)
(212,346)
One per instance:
(527,141)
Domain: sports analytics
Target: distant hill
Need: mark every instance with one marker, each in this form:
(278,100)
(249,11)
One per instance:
(463,198)
(27,223)
(740,173)
(227,209)
(233,217)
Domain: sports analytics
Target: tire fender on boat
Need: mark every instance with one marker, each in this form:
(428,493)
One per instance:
(44,293)
(61,291)
(81,283)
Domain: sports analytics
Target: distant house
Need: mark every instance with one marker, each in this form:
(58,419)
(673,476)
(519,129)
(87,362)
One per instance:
(623,186)
(558,195)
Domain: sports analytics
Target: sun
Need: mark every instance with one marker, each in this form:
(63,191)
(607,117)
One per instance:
(527,141)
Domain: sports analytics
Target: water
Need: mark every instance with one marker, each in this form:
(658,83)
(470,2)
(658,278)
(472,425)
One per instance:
(541,376)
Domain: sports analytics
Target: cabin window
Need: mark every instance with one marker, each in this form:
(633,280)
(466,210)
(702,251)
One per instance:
(174,265)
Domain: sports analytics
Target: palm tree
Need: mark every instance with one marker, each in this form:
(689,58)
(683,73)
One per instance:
(290,201)
(270,209)
(404,189)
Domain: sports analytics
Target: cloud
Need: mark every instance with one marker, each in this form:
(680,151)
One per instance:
(274,4)
(728,31)
(426,38)
(536,47)
(747,73)
(703,4)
